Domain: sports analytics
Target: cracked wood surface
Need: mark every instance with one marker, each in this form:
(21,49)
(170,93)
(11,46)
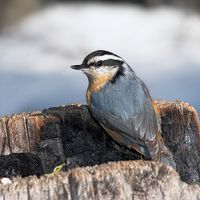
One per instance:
(122,180)
(68,134)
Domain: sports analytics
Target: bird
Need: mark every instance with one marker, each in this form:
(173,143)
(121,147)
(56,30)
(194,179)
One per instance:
(121,103)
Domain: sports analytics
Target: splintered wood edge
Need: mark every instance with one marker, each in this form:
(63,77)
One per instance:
(162,106)
(132,168)
(106,179)
(38,112)
(181,106)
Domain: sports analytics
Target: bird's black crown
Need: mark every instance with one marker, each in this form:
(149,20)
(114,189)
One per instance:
(112,61)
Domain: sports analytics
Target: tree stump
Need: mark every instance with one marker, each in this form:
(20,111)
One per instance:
(35,143)
(123,180)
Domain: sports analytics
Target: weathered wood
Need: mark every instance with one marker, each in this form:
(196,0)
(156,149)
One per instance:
(68,134)
(181,132)
(123,180)
(4,138)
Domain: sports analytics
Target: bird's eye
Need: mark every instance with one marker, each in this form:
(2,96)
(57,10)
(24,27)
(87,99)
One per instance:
(99,63)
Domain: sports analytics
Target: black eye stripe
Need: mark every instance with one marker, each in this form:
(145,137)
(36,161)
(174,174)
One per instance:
(96,64)
(109,62)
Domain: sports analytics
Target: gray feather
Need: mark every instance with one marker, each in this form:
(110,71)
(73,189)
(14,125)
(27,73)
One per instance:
(125,106)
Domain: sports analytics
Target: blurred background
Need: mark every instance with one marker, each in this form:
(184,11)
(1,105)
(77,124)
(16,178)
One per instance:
(41,39)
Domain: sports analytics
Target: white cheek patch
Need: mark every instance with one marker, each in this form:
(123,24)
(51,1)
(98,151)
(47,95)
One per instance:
(102,70)
(103,58)
(106,70)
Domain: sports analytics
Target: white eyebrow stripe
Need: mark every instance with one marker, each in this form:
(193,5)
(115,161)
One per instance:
(103,58)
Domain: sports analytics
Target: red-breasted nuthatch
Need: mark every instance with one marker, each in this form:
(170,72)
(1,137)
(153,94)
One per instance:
(122,105)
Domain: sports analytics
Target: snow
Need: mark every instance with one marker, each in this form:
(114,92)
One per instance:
(6,181)
(161,44)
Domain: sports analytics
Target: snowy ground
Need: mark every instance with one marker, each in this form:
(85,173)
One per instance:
(162,45)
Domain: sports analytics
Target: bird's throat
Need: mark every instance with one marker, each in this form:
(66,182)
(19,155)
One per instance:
(95,85)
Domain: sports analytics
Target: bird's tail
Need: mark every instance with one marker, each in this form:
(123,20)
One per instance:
(159,151)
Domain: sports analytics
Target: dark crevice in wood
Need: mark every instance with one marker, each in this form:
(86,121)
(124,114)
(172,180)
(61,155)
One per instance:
(27,133)
(5,123)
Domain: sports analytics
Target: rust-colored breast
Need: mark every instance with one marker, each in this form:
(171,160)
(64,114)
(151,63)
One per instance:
(96,84)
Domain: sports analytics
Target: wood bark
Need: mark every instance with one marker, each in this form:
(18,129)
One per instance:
(123,180)
(35,143)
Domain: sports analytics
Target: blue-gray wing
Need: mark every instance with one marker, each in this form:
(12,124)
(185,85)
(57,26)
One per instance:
(126,107)
(125,111)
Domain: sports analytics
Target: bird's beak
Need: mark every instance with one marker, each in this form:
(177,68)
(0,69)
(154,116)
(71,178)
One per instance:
(77,67)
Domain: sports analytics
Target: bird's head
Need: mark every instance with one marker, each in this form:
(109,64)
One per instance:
(101,65)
